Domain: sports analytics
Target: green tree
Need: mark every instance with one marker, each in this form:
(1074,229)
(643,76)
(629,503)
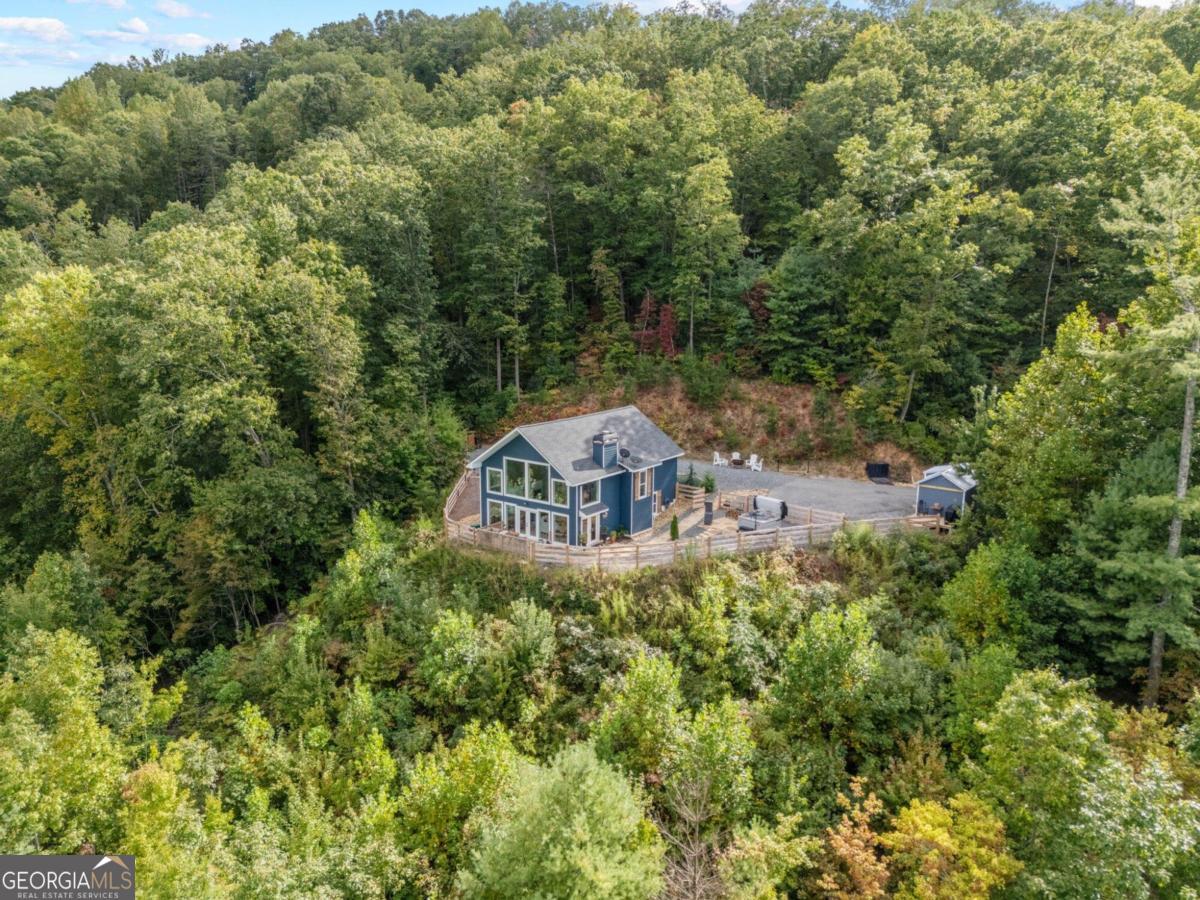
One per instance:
(1162,224)
(1077,817)
(573,828)
(639,726)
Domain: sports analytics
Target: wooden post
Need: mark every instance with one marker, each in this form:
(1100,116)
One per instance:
(810,515)
(708,552)
(530,551)
(810,528)
(637,557)
(843,521)
(778,532)
(567,553)
(599,547)
(739,544)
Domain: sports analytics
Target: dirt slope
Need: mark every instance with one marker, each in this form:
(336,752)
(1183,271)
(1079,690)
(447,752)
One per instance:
(792,427)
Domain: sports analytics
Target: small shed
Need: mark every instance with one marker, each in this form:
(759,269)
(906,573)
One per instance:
(944,488)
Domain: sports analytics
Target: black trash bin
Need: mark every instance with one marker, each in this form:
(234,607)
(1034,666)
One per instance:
(879,472)
(708,512)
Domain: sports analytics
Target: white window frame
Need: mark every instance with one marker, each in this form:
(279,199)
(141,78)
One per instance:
(499,477)
(499,518)
(566,521)
(524,477)
(551,480)
(596,482)
(643,483)
(529,464)
(566,492)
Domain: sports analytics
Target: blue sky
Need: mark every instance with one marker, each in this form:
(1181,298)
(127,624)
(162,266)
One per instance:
(45,42)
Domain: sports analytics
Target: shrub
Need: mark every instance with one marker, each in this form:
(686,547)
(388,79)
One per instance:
(674,528)
(704,382)
(574,828)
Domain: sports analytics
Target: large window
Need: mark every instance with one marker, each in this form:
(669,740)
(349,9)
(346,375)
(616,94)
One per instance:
(495,481)
(589,493)
(560,528)
(510,517)
(539,481)
(531,480)
(514,477)
(642,482)
(494,512)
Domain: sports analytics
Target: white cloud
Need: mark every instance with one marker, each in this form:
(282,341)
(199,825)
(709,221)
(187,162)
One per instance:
(1157,4)
(173,9)
(21,55)
(189,41)
(49,30)
(135,31)
(111,4)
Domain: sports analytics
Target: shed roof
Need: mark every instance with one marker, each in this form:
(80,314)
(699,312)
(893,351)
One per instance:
(567,443)
(956,473)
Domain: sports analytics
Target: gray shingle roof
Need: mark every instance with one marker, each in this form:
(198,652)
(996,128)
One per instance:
(956,473)
(567,443)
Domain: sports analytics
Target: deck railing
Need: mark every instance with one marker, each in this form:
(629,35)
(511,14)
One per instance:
(819,528)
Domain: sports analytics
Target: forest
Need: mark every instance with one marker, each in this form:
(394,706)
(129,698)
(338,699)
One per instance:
(254,301)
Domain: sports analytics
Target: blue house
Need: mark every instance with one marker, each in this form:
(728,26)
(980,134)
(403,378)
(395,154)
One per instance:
(943,488)
(572,481)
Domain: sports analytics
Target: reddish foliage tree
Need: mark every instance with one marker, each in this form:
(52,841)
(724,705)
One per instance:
(666,330)
(646,336)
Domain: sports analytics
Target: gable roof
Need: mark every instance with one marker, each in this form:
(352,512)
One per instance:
(567,443)
(956,473)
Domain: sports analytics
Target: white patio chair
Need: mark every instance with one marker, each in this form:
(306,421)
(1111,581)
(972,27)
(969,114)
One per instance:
(755,463)
(718,459)
(735,458)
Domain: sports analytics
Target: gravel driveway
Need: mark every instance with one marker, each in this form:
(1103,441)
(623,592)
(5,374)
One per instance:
(856,499)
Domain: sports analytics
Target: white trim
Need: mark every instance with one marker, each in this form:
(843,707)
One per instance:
(550,479)
(477,462)
(584,529)
(584,484)
(638,485)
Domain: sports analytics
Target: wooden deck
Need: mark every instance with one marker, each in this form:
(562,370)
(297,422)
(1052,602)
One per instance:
(461,517)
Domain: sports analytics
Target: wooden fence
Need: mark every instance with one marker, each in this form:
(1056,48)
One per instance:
(819,529)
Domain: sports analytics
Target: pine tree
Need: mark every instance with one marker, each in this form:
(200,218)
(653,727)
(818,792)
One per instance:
(1162,223)
(615,336)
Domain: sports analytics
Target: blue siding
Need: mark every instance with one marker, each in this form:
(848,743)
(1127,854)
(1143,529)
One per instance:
(519,448)
(616,492)
(641,512)
(665,478)
(940,489)
(612,489)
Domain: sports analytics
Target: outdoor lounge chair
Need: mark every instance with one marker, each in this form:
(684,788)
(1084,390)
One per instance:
(735,458)
(718,459)
(755,463)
